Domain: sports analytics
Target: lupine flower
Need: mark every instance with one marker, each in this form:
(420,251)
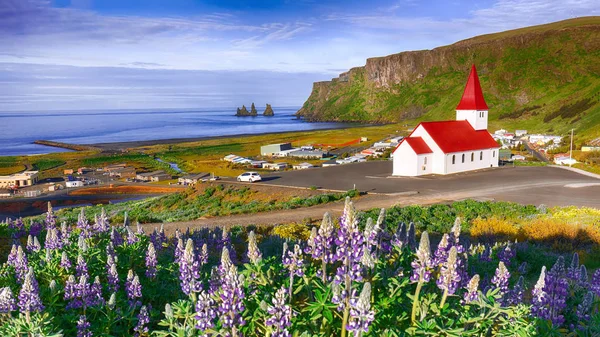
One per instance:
(139,229)
(53,286)
(254,255)
(12,256)
(449,278)
(422,263)
(205,312)
(131,237)
(555,293)
(500,279)
(84,225)
(189,270)
(595,284)
(142,324)
(102,224)
(399,238)
(96,292)
(29,296)
(486,255)
(280,315)
(21,264)
(179,250)
(112,274)
(584,308)
(32,246)
(324,245)
(112,301)
(83,327)
(232,296)
(151,261)
(523,267)
(411,236)
(573,270)
(116,238)
(472,293)
(456,229)
(203,257)
(50,221)
(583,276)
(82,244)
(337,296)
(293,261)
(35,228)
(52,239)
(441,253)
(81,266)
(133,288)
(515,296)
(349,250)
(361,314)
(537,296)
(18,228)
(64,233)
(7,301)
(82,294)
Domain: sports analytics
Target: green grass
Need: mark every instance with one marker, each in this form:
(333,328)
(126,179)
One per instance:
(46,164)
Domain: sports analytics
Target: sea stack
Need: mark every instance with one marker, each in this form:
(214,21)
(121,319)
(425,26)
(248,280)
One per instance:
(253,111)
(243,111)
(268,111)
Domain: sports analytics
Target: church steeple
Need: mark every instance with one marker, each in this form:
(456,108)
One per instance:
(472,106)
(472,98)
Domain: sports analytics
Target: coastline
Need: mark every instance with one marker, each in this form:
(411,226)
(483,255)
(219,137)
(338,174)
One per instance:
(120,146)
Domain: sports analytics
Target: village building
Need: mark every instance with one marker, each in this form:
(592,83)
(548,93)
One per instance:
(447,147)
(275,166)
(275,149)
(303,166)
(23,179)
(147,176)
(191,179)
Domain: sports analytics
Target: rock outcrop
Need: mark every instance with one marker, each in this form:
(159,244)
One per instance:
(243,112)
(268,111)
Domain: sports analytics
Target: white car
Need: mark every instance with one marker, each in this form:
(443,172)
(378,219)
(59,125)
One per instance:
(249,177)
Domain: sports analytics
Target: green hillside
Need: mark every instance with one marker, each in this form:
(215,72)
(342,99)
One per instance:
(542,78)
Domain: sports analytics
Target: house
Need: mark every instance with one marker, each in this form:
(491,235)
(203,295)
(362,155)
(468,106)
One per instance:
(520,133)
(307,148)
(518,157)
(161,177)
(303,166)
(447,147)
(27,178)
(83,170)
(113,167)
(68,171)
(258,163)
(382,145)
(124,172)
(147,176)
(272,149)
(74,183)
(191,178)
(590,148)
(275,166)
(4,193)
(307,154)
(500,132)
(564,159)
(331,162)
(544,139)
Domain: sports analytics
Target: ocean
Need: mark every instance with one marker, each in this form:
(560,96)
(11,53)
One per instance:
(20,129)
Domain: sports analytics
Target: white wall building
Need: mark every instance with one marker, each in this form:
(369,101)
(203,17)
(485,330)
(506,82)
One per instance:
(75,183)
(450,146)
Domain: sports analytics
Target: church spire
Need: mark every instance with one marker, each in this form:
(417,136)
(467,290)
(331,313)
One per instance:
(472,98)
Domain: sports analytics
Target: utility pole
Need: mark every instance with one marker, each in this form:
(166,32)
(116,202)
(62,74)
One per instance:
(571,150)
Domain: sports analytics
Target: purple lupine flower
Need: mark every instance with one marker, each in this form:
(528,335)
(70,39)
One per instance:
(189,270)
(29,296)
(516,294)
(81,243)
(523,267)
(500,280)
(349,250)
(50,221)
(142,324)
(254,255)
(7,301)
(292,260)
(65,233)
(95,296)
(573,271)
(449,277)
(158,238)
(421,265)
(203,257)
(139,229)
(361,314)
(82,294)
(538,295)
(456,229)
(507,254)
(472,293)
(18,228)
(116,238)
(33,245)
(84,225)
(12,256)
(53,240)
(205,312)
(584,309)
(384,236)
(71,291)
(486,255)
(133,288)
(595,284)
(399,238)
(179,249)
(280,315)
(232,299)
(323,245)
(411,236)
(151,261)
(35,228)
(112,276)
(131,237)
(81,266)
(83,327)
(102,224)
(583,276)
(556,291)
(64,261)
(21,265)
(441,253)
(338,297)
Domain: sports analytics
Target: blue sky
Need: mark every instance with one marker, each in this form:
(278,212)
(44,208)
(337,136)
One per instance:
(109,54)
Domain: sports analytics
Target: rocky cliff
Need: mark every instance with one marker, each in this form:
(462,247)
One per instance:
(268,111)
(527,75)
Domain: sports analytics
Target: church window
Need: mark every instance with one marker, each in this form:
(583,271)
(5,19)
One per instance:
(463,158)
(425,161)
(481,155)
(494,154)
(453,159)
(473,156)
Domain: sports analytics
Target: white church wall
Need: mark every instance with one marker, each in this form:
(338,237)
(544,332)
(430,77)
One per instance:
(425,164)
(477,118)
(437,157)
(481,159)
(405,161)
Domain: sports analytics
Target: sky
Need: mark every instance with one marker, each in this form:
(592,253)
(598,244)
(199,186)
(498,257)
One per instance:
(143,54)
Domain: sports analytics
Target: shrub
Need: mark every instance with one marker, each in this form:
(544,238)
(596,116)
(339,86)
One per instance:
(293,231)
(493,227)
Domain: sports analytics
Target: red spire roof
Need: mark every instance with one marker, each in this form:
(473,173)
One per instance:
(472,98)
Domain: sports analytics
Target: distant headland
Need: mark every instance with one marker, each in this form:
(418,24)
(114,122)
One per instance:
(243,112)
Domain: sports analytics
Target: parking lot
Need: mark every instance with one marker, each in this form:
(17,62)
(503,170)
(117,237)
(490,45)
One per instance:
(534,185)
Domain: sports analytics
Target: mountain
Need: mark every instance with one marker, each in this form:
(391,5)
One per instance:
(540,78)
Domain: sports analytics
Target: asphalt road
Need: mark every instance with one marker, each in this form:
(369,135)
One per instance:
(530,185)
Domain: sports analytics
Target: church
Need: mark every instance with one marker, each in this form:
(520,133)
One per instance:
(448,147)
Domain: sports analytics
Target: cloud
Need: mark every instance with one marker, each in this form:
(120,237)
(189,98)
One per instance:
(143,64)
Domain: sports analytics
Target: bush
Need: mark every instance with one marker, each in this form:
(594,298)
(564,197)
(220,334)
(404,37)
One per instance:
(493,227)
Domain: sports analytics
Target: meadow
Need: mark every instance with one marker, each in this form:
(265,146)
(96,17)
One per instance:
(365,274)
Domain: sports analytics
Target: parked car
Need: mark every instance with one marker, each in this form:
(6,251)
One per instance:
(249,177)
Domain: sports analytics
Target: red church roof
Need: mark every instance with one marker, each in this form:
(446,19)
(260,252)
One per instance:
(458,136)
(418,145)
(472,98)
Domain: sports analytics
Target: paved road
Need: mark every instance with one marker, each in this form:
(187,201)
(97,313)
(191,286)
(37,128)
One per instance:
(528,185)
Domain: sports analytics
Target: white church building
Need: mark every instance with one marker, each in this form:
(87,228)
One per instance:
(450,146)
